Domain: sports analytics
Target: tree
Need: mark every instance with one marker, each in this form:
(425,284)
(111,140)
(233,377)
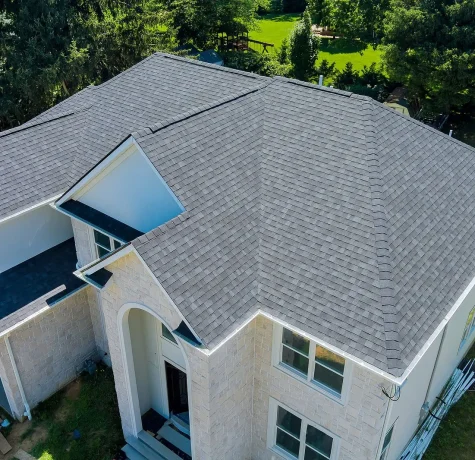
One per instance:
(303,48)
(52,48)
(199,21)
(429,47)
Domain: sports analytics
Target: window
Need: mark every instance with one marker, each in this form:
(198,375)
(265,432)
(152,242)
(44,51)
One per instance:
(386,444)
(296,437)
(313,362)
(105,244)
(167,334)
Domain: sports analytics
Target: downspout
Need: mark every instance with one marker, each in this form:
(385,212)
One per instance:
(17,377)
(384,428)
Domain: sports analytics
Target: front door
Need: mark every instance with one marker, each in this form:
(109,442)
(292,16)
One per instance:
(177,389)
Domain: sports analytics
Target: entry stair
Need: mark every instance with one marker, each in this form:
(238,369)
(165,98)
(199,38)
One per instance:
(146,447)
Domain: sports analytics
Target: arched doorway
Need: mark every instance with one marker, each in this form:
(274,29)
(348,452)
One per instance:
(156,368)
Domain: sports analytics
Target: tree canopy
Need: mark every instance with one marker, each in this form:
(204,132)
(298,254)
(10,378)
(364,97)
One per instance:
(303,48)
(50,49)
(430,48)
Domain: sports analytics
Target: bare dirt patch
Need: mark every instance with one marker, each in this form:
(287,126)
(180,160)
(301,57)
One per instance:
(23,436)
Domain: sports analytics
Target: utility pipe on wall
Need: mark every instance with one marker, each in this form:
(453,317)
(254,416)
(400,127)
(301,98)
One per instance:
(17,377)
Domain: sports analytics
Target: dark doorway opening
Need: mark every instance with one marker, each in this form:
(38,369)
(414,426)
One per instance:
(177,389)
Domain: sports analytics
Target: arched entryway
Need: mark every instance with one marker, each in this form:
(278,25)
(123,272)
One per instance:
(156,370)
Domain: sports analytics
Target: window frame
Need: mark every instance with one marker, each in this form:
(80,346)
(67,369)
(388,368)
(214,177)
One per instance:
(308,379)
(305,422)
(97,245)
(468,328)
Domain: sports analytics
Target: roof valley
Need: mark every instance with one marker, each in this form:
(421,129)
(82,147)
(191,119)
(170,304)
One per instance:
(383,255)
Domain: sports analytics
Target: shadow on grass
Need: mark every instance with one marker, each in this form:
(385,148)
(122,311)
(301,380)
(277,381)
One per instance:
(281,17)
(88,405)
(342,46)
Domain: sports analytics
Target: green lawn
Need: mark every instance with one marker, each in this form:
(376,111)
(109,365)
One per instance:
(274,28)
(88,405)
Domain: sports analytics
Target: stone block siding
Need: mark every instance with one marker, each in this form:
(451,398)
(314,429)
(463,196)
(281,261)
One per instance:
(230,388)
(132,283)
(84,249)
(48,350)
(359,423)
(85,254)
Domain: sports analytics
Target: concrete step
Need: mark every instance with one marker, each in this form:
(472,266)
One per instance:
(180,424)
(157,446)
(176,438)
(144,449)
(131,453)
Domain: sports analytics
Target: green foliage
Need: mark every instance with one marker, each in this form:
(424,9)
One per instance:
(294,6)
(283,52)
(326,69)
(260,63)
(303,45)
(429,47)
(371,81)
(52,48)
(89,406)
(199,21)
(352,19)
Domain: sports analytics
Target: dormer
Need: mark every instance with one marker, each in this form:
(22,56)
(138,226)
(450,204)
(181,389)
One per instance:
(121,198)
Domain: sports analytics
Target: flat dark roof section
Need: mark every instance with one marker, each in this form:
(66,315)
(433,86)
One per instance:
(38,276)
(101,221)
(99,279)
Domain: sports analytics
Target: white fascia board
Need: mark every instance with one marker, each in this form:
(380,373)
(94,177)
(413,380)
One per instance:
(96,265)
(31,208)
(100,167)
(39,312)
(165,293)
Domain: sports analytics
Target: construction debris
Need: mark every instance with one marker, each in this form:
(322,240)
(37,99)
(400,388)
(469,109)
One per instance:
(4,445)
(459,383)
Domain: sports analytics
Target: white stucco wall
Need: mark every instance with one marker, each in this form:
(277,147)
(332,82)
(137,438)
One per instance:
(406,410)
(31,233)
(132,192)
(450,354)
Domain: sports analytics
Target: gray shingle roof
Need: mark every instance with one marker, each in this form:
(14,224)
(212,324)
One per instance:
(44,156)
(326,209)
(295,201)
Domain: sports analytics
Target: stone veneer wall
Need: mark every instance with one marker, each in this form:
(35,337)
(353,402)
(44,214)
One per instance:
(359,423)
(221,384)
(49,351)
(85,255)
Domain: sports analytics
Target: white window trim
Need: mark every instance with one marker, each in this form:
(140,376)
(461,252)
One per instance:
(308,379)
(272,432)
(467,329)
(111,242)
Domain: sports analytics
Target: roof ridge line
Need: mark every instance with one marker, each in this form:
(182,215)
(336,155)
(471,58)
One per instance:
(191,61)
(147,130)
(383,255)
(327,89)
(43,121)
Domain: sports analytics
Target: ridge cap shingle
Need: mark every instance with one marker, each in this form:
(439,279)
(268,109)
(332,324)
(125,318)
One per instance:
(383,253)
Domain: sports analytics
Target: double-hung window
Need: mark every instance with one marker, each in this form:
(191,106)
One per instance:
(469,327)
(295,437)
(104,244)
(311,361)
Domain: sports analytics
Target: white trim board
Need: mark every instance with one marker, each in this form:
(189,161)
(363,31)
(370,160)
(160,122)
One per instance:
(31,208)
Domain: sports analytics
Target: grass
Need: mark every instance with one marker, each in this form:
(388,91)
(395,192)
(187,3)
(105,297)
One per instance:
(455,437)
(274,28)
(88,405)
